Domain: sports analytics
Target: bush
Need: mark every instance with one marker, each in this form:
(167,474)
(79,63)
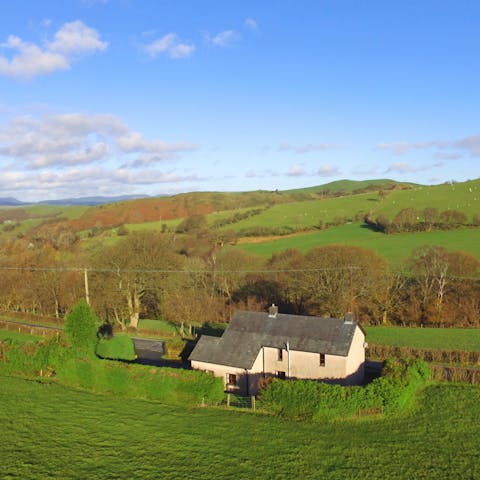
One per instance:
(302,399)
(119,347)
(81,327)
(167,385)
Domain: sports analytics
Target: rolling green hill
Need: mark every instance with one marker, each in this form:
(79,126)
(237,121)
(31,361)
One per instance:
(396,248)
(291,210)
(350,186)
(308,214)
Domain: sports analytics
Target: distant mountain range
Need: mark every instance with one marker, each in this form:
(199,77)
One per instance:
(86,201)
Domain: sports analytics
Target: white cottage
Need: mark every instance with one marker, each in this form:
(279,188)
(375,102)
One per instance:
(256,345)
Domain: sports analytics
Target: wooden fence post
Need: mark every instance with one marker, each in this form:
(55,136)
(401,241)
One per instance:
(228,399)
(253,402)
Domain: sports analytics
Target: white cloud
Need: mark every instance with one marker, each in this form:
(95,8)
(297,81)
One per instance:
(169,45)
(78,139)
(30,60)
(134,142)
(448,155)
(328,171)
(251,23)
(308,148)
(83,181)
(404,167)
(296,171)
(470,145)
(401,148)
(224,39)
(77,38)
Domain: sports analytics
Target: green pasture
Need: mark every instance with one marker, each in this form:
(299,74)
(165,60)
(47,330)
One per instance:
(153,226)
(55,432)
(347,186)
(70,212)
(467,339)
(307,214)
(463,196)
(395,247)
(160,326)
(19,337)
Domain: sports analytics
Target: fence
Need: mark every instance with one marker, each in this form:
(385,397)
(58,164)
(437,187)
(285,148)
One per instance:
(237,401)
(29,329)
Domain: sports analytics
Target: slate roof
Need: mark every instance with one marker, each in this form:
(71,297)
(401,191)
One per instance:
(248,332)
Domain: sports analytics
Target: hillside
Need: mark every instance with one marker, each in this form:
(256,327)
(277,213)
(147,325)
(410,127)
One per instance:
(310,214)
(395,248)
(253,213)
(354,186)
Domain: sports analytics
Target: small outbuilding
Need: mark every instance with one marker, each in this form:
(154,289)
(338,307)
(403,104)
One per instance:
(256,345)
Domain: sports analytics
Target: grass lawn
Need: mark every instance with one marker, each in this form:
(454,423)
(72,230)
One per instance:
(160,326)
(119,347)
(33,321)
(396,248)
(53,432)
(21,337)
(467,339)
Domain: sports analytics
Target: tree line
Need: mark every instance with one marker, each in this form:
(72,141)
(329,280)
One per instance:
(191,280)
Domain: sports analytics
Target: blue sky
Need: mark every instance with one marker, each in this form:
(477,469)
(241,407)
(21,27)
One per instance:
(107,97)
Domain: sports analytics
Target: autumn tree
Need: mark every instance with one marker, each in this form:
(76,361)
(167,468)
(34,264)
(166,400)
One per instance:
(134,269)
(435,268)
(338,278)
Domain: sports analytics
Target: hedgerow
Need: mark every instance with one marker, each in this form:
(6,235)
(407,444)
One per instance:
(57,361)
(300,399)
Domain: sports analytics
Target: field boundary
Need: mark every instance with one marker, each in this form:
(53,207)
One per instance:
(450,357)
(29,328)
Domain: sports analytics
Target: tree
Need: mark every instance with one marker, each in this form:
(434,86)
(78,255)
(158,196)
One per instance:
(430,217)
(405,220)
(81,327)
(435,267)
(135,269)
(336,279)
(191,224)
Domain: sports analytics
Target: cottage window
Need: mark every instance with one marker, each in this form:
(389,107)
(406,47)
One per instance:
(280,354)
(281,375)
(322,359)
(231,379)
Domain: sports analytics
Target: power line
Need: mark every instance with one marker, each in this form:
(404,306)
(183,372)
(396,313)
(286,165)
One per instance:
(347,268)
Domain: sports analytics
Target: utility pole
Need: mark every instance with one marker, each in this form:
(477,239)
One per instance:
(351,289)
(87,295)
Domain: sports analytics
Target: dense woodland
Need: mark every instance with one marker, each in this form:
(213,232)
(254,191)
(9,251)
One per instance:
(194,278)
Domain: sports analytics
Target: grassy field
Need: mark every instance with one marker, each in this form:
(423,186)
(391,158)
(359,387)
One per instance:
(53,432)
(348,186)
(161,326)
(467,339)
(396,248)
(21,337)
(306,214)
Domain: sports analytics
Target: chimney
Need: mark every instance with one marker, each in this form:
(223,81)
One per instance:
(348,318)
(273,311)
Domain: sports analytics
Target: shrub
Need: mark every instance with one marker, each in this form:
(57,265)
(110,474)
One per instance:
(119,347)
(81,326)
(301,399)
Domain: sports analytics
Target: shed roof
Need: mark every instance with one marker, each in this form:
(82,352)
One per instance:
(248,332)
